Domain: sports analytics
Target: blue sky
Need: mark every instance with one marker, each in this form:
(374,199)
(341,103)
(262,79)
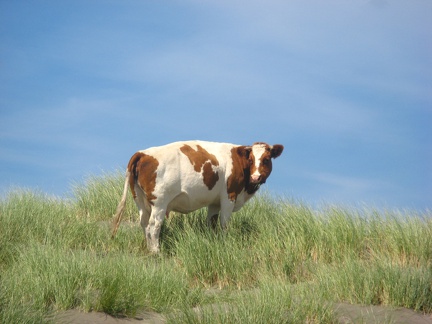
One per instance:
(345,86)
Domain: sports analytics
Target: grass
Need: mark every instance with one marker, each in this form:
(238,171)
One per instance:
(279,261)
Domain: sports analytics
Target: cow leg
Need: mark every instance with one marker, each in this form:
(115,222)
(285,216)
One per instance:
(143,208)
(212,216)
(226,212)
(153,228)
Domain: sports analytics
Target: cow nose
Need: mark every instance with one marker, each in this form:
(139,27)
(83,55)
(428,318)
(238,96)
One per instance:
(255,178)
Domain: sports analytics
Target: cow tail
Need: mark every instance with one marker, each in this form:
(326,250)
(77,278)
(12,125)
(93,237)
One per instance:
(120,208)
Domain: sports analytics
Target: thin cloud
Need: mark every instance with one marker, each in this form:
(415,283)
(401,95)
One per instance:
(344,183)
(332,80)
(337,188)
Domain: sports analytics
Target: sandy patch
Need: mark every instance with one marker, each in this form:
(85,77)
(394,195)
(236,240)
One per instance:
(74,316)
(346,314)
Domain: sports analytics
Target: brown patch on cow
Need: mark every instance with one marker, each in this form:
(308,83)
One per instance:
(210,177)
(202,161)
(240,172)
(143,167)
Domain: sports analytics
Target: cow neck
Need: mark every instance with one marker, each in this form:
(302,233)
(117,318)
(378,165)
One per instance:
(250,188)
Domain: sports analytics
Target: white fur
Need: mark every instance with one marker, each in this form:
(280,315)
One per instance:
(258,150)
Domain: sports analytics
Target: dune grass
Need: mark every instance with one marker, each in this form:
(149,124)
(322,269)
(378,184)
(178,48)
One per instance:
(279,261)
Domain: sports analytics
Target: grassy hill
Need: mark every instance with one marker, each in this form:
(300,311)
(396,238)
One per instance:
(280,261)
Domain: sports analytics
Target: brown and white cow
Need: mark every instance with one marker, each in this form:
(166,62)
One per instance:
(186,176)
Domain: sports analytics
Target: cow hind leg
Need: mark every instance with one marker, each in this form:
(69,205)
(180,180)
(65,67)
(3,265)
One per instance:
(144,211)
(154,227)
(144,208)
(144,219)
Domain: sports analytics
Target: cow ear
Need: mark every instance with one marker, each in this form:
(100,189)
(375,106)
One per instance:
(244,151)
(276,150)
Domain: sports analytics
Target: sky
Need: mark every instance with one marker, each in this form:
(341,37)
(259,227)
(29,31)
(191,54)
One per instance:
(345,86)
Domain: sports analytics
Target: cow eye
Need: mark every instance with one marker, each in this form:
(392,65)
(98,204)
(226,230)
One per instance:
(266,161)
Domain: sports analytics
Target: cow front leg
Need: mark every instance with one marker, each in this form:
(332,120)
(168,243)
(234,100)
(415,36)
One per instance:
(153,229)
(227,208)
(212,216)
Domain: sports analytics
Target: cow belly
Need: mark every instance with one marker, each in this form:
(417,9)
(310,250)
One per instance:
(185,203)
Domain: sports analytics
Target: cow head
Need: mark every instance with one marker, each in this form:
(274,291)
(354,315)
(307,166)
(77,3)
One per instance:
(259,157)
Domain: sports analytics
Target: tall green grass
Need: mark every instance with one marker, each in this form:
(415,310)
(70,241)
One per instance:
(279,261)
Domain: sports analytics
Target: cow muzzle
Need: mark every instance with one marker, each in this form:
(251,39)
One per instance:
(256,179)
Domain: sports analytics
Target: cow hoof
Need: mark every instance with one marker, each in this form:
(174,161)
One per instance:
(154,250)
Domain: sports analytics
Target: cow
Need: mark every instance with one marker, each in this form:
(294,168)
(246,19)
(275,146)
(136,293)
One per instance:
(186,176)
